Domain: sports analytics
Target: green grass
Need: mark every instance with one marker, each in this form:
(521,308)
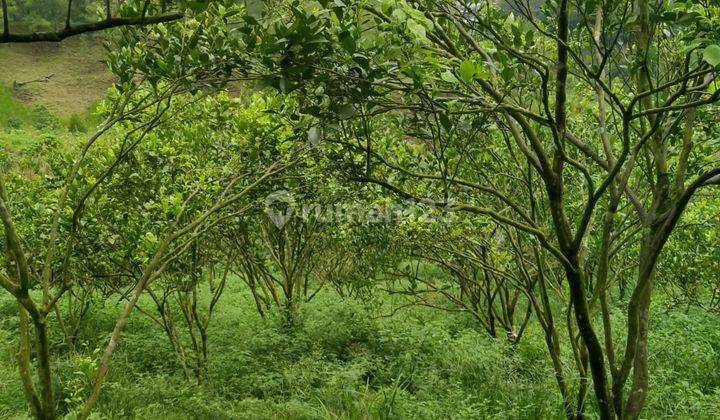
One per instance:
(11,109)
(23,125)
(341,362)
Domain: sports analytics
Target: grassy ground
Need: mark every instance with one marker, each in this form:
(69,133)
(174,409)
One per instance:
(22,126)
(48,111)
(343,362)
(79,78)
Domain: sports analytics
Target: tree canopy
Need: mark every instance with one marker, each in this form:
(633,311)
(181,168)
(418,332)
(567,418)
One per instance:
(549,166)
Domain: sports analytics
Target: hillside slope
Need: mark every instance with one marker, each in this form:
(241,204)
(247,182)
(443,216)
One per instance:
(79,77)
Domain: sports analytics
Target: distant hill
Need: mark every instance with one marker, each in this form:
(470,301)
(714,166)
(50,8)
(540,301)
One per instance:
(79,77)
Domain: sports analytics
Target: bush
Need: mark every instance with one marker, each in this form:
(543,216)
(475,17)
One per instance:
(42,119)
(47,145)
(13,123)
(76,124)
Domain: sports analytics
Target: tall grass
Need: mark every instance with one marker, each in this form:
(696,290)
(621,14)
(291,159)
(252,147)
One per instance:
(346,360)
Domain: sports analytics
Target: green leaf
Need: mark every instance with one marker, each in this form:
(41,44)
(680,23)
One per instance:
(508,74)
(712,55)
(347,41)
(315,135)
(449,77)
(467,71)
(417,30)
(151,238)
(346,111)
(283,84)
(445,121)
(399,15)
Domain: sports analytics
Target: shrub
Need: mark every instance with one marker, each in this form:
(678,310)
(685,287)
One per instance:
(42,118)
(13,123)
(76,124)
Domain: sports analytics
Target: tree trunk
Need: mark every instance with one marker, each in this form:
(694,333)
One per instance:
(44,370)
(23,357)
(596,357)
(640,311)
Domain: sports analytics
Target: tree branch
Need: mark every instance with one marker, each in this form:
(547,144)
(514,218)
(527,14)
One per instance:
(68,31)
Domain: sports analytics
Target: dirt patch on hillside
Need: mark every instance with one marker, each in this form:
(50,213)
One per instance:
(79,77)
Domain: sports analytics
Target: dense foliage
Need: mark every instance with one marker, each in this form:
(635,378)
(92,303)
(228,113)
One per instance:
(375,208)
